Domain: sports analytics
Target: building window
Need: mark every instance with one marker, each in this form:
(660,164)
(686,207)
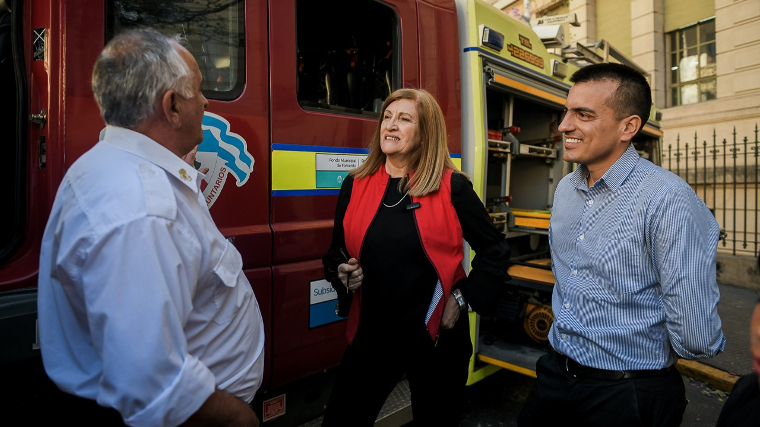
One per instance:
(214,35)
(692,64)
(346,65)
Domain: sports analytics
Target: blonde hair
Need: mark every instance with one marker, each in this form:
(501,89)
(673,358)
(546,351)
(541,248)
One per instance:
(430,159)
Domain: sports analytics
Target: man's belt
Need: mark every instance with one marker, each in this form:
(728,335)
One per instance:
(580,371)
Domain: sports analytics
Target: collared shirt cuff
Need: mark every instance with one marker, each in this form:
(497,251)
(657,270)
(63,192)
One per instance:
(247,380)
(190,389)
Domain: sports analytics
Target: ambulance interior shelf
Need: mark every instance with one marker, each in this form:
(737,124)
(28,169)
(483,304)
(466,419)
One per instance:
(523,165)
(522,169)
(522,149)
(518,220)
(518,335)
(503,216)
(536,273)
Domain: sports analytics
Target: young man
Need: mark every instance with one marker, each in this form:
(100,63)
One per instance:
(143,304)
(633,254)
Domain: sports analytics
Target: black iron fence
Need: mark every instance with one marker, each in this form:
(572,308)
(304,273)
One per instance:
(724,173)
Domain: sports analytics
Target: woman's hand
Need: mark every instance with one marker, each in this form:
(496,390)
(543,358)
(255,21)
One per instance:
(189,158)
(450,313)
(351,268)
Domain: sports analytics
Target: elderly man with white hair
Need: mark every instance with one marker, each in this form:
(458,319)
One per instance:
(143,304)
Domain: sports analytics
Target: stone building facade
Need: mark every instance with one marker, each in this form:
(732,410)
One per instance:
(703,62)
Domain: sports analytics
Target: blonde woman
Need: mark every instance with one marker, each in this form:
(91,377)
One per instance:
(397,249)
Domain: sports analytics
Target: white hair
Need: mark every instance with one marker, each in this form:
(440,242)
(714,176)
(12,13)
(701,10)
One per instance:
(133,70)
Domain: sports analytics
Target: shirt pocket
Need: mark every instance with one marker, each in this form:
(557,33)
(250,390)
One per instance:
(229,289)
(620,264)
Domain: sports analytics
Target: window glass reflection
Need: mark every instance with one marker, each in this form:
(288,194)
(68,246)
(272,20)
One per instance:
(693,64)
(344,64)
(689,37)
(689,94)
(213,31)
(708,90)
(707,31)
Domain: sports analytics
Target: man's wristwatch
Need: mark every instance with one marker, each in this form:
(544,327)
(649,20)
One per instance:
(457,294)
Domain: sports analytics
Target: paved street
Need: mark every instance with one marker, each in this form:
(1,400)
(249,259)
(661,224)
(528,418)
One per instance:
(497,400)
(735,309)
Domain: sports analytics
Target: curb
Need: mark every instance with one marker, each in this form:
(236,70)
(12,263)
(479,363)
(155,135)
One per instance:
(717,378)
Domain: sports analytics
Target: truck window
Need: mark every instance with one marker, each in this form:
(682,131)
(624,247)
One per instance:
(348,55)
(214,33)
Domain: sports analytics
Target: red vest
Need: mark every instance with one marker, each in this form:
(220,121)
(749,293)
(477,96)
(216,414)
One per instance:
(438,228)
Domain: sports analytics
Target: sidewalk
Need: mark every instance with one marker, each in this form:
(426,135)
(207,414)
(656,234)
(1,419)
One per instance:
(735,309)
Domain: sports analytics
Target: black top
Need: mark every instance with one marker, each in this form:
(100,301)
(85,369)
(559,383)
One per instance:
(743,405)
(399,280)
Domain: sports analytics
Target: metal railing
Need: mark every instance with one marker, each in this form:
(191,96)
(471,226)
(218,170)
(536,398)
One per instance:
(725,175)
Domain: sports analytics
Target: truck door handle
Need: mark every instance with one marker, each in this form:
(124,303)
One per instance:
(39,119)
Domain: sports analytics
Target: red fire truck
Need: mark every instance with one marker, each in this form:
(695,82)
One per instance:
(294,87)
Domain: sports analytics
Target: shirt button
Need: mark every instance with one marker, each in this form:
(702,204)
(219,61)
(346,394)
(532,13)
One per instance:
(564,337)
(567,305)
(575,272)
(590,202)
(582,237)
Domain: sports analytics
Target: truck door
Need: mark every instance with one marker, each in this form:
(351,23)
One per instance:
(27,86)
(47,50)
(58,46)
(331,67)
(229,43)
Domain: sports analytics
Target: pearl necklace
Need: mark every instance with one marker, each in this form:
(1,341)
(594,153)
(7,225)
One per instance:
(396,204)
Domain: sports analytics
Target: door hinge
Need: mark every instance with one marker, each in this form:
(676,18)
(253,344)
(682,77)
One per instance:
(43,153)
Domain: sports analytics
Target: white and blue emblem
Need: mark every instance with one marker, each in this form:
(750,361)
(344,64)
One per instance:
(223,153)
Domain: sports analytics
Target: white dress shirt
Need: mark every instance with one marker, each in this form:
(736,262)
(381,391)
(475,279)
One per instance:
(143,304)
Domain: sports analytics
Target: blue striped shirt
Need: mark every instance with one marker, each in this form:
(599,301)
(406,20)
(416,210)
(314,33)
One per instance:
(634,262)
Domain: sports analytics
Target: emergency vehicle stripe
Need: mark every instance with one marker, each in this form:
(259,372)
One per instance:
(527,89)
(319,149)
(296,193)
(511,64)
(294,169)
(505,365)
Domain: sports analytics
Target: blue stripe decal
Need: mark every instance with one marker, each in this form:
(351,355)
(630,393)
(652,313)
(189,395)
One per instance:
(323,149)
(319,149)
(293,193)
(323,313)
(514,64)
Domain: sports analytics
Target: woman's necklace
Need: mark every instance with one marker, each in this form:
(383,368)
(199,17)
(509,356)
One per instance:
(396,204)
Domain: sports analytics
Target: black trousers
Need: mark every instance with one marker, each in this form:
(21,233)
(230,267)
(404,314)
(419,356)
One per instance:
(81,412)
(374,363)
(558,399)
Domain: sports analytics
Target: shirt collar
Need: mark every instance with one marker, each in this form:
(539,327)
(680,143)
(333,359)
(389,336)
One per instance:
(579,178)
(614,176)
(150,150)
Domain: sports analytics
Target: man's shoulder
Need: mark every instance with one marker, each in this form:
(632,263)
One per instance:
(113,187)
(658,180)
(649,172)
(657,188)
